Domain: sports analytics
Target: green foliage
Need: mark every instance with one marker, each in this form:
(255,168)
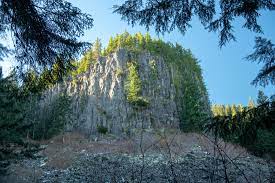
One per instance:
(11,111)
(119,72)
(46,126)
(252,126)
(133,82)
(84,64)
(111,46)
(262,98)
(264,53)
(191,93)
(41,30)
(186,74)
(21,116)
(97,48)
(89,59)
(101,129)
(194,110)
(35,84)
(230,110)
(133,86)
(141,102)
(265,142)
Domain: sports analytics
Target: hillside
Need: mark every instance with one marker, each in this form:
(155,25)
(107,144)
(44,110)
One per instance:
(134,83)
(131,112)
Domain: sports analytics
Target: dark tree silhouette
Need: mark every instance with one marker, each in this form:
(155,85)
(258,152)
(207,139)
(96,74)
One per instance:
(42,30)
(166,15)
(264,53)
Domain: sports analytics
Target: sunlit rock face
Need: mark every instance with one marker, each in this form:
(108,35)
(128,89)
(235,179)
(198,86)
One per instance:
(99,96)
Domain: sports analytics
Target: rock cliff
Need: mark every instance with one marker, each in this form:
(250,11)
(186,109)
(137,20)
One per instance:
(122,92)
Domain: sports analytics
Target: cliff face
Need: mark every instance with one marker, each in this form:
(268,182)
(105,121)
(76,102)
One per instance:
(122,92)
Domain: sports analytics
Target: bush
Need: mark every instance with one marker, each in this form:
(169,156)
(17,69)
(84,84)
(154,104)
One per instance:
(119,72)
(141,102)
(102,129)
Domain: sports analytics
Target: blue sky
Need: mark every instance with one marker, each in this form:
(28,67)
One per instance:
(227,74)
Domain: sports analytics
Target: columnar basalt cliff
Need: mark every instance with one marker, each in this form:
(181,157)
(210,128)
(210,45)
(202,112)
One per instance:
(127,90)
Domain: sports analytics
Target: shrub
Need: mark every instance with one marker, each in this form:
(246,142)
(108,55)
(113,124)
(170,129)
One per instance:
(102,129)
(141,102)
(119,72)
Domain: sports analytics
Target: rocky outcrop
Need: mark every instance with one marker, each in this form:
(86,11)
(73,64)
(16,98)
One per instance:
(100,96)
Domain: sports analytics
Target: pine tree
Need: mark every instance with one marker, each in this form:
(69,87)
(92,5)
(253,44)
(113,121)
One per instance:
(251,104)
(97,48)
(228,111)
(129,43)
(240,108)
(133,83)
(111,46)
(222,110)
(117,42)
(262,98)
(148,38)
(140,40)
(215,110)
(234,110)
(165,16)
(41,30)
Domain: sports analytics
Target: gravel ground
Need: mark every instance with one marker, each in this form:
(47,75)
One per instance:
(189,158)
(196,166)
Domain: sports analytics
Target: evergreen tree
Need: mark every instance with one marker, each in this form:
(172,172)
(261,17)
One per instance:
(228,111)
(11,111)
(119,41)
(140,40)
(133,83)
(148,38)
(240,108)
(251,104)
(42,30)
(215,111)
(262,98)
(129,42)
(85,62)
(97,48)
(264,52)
(111,46)
(234,110)
(222,110)
(165,16)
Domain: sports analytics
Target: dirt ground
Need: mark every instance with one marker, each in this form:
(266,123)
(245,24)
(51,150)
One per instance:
(61,150)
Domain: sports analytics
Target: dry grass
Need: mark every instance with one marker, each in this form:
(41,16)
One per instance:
(63,149)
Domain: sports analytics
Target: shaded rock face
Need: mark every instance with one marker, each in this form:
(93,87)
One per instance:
(99,97)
